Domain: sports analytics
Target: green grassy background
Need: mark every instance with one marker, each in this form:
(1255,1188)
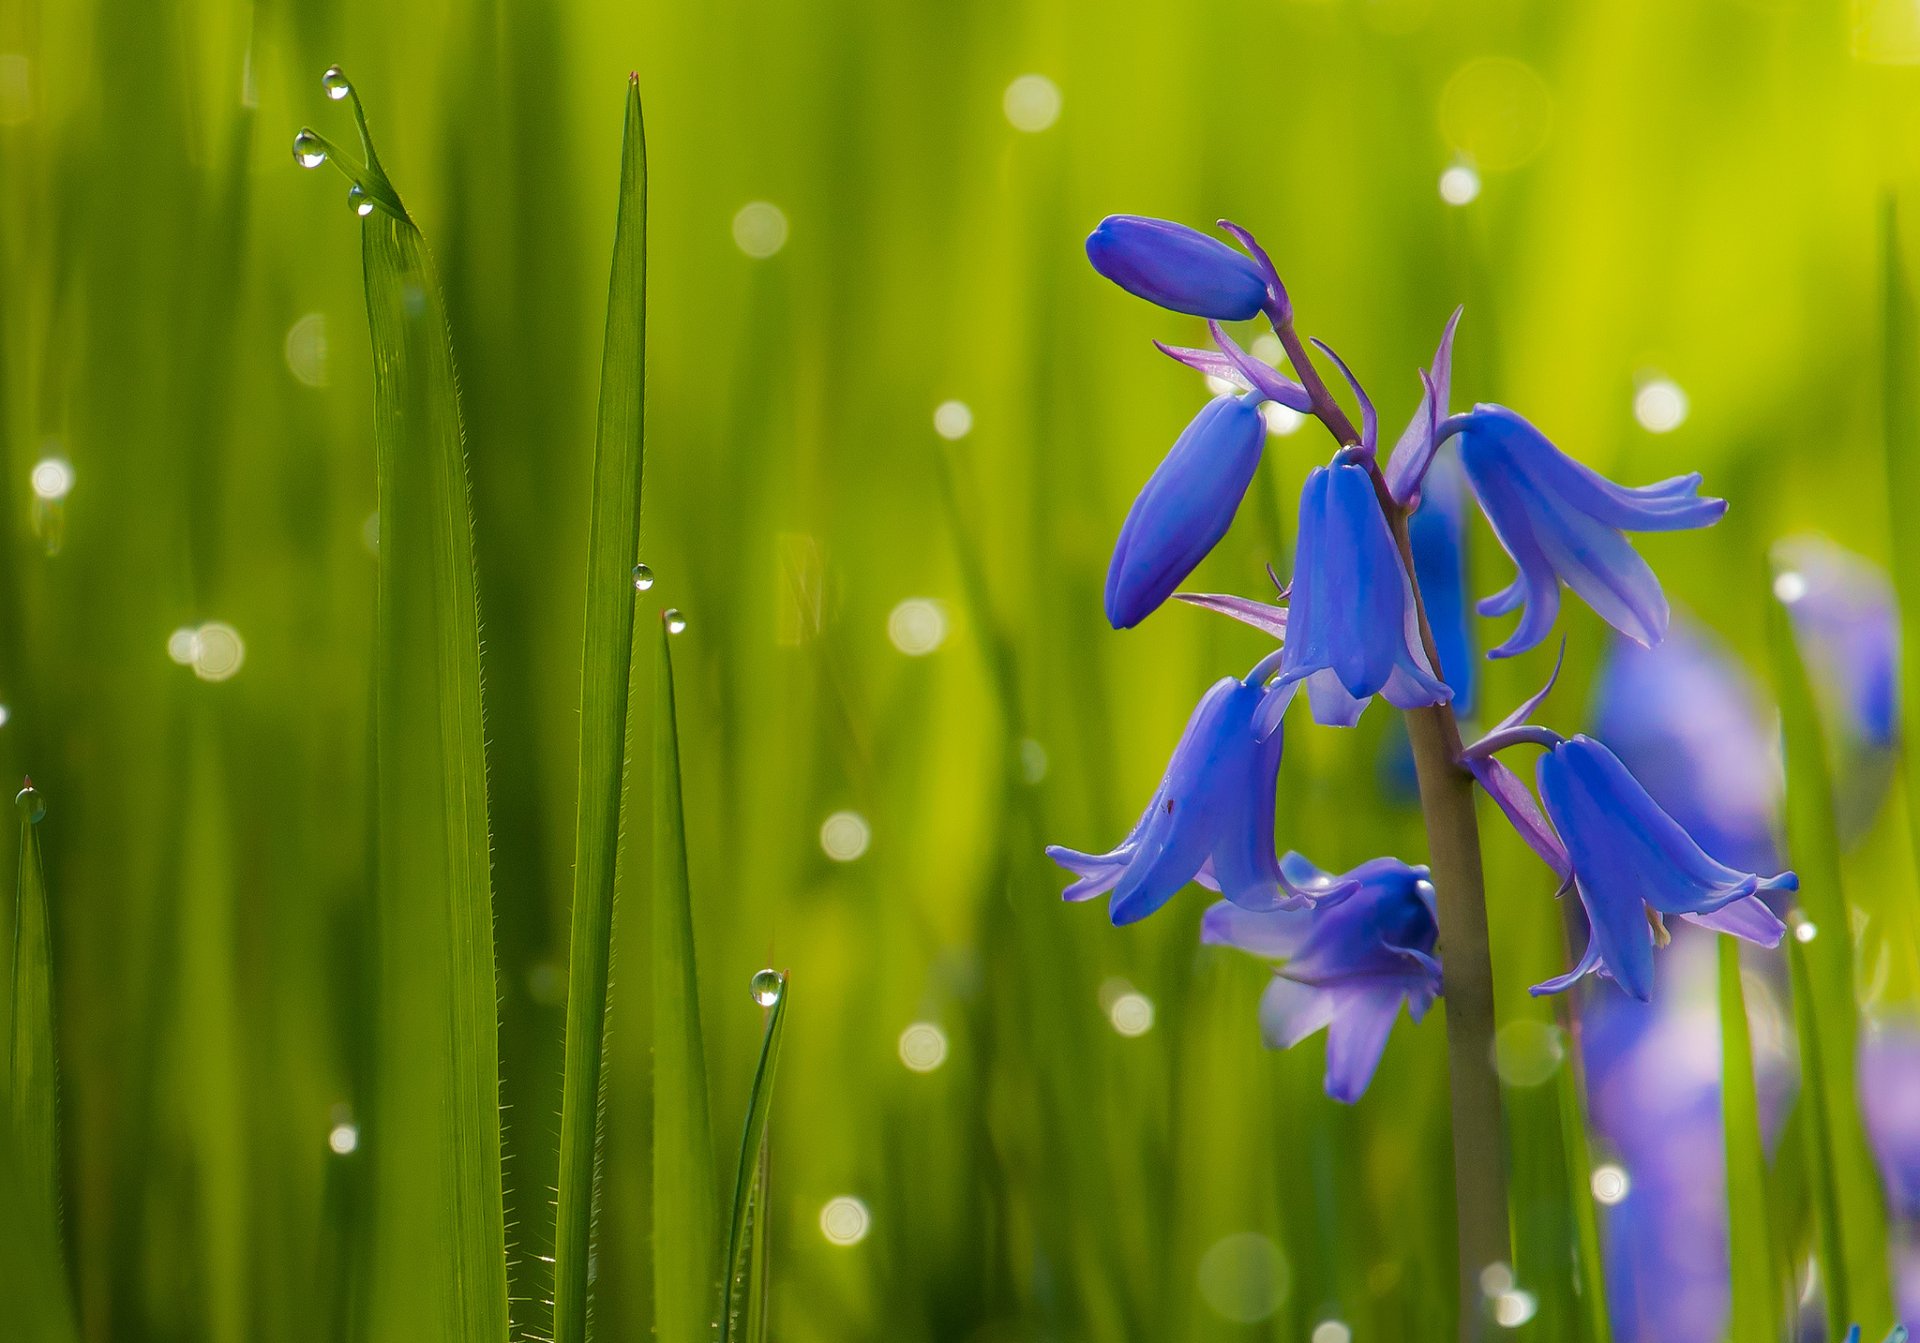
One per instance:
(1688,188)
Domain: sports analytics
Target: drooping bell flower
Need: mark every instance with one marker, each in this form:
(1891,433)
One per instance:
(1352,628)
(1438,531)
(1628,857)
(1563,522)
(1185,508)
(1346,965)
(1688,723)
(1210,820)
(1181,268)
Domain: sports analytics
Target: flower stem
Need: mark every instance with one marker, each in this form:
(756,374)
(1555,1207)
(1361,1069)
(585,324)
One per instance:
(1453,845)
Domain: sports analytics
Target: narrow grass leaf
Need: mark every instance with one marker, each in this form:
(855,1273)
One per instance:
(32,1261)
(439,1261)
(1900,427)
(741,1314)
(1830,1251)
(1825,1011)
(1590,1276)
(686,1199)
(606,666)
(1757,1289)
(32,1073)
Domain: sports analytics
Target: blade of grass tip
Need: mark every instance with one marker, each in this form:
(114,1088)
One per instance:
(735,1303)
(1824,941)
(32,1073)
(1830,1244)
(606,665)
(38,1301)
(438,1219)
(1758,1295)
(686,1197)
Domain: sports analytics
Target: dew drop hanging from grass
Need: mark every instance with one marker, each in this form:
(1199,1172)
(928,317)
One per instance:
(30,803)
(766,987)
(675,621)
(335,83)
(309,150)
(642,578)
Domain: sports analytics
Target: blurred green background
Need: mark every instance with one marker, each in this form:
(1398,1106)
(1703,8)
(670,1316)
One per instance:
(896,683)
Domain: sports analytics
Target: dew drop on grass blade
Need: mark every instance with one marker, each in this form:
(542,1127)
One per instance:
(742,1306)
(685,1191)
(1849,1208)
(1757,1288)
(613,575)
(438,1261)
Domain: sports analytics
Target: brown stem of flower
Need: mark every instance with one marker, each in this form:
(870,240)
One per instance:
(1453,845)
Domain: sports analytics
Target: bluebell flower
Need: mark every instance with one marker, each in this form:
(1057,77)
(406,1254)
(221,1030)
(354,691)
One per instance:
(1346,965)
(1688,722)
(1185,508)
(1848,629)
(1438,531)
(1181,268)
(1562,522)
(1627,857)
(1352,627)
(1210,820)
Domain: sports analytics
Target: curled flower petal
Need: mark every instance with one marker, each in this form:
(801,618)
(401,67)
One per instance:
(1268,382)
(1437,531)
(1562,522)
(1369,417)
(1185,508)
(1177,267)
(1407,466)
(1263,616)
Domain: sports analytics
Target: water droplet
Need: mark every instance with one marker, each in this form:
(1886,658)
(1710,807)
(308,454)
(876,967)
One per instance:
(335,82)
(359,201)
(642,578)
(343,1139)
(31,804)
(309,150)
(1804,931)
(675,621)
(767,986)
(923,1046)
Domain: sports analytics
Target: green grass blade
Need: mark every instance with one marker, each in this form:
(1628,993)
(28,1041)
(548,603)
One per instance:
(607,663)
(34,1299)
(1851,1208)
(32,1073)
(748,1183)
(686,1196)
(1757,1295)
(1590,1276)
(1830,1243)
(1900,426)
(439,1261)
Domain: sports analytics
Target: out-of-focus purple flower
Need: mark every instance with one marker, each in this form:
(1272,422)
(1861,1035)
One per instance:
(1185,508)
(1178,267)
(1629,856)
(1890,1102)
(1211,819)
(1346,965)
(1562,522)
(1848,628)
(1653,1085)
(1352,629)
(1438,530)
(1687,721)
